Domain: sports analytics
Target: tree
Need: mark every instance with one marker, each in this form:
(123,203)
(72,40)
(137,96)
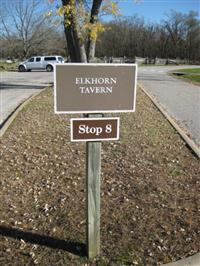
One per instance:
(82,25)
(192,37)
(175,28)
(24,26)
(121,38)
(177,36)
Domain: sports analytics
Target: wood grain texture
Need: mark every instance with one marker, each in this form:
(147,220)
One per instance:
(93,173)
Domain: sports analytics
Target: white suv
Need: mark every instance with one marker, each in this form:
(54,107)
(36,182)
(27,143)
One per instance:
(40,62)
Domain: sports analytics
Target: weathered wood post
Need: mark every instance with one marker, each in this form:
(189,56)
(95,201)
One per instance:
(93,174)
(94,88)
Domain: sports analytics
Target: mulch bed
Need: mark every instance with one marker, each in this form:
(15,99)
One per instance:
(150,191)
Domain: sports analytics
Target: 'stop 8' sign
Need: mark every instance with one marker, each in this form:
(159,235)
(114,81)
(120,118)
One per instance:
(92,88)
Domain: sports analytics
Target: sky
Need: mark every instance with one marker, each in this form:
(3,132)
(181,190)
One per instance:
(154,10)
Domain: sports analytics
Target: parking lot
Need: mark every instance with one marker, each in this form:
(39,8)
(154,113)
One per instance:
(179,98)
(16,87)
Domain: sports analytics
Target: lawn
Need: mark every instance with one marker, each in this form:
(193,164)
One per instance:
(7,66)
(192,75)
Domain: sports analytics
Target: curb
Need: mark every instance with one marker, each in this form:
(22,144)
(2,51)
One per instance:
(190,261)
(181,132)
(195,259)
(8,121)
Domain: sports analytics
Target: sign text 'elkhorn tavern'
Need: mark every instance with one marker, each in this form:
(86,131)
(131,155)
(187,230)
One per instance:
(100,85)
(95,88)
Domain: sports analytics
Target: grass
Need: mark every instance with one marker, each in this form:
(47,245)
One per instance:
(150,191)
(7,66)
(191,75)
(190,70)
(150,65)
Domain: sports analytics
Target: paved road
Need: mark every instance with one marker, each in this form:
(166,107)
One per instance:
(16,87)
(180,99)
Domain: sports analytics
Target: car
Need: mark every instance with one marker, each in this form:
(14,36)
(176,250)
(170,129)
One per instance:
(40,62)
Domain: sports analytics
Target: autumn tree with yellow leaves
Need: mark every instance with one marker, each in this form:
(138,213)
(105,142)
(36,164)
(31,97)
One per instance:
(82,25)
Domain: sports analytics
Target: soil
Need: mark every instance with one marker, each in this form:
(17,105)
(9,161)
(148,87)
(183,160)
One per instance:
(150,191)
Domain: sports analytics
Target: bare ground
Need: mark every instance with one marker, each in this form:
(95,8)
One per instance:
(150,192)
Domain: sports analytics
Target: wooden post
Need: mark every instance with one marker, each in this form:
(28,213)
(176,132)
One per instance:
(93,173)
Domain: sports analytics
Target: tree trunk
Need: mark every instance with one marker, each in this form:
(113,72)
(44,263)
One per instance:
(75,40)
(75,43)
(70,44)
(79,46)
(91,50)
(93,19)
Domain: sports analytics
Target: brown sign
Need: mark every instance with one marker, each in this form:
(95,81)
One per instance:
(95,88)
(94,129)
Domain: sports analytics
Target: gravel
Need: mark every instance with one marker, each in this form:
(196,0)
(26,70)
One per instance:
(150,191)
